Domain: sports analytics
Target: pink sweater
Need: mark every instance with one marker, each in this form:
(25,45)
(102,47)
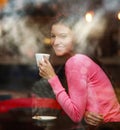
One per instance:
(89,89)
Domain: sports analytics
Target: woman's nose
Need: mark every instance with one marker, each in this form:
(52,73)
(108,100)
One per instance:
(56,41)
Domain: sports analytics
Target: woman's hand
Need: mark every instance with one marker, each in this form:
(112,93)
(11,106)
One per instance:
(93,119)
(45,69)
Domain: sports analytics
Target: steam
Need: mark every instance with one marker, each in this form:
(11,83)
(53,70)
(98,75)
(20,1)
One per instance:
(26,38)
(89,33)
(20,34)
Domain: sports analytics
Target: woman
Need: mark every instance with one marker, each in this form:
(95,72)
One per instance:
(90,92)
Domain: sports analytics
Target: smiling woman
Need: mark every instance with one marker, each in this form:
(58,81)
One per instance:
(90,93)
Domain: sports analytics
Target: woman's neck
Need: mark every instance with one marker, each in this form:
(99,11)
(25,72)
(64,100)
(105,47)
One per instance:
(67,56)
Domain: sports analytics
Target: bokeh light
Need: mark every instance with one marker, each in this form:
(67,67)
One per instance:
(3,3)
(118,15)
(89,16)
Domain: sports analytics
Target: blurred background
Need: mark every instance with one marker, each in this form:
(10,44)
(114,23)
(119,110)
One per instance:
(24,31)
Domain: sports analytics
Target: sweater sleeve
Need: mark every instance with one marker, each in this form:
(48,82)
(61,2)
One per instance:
(73,103)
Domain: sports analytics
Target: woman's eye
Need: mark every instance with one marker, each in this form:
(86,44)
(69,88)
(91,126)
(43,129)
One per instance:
(52,36)
(63,36)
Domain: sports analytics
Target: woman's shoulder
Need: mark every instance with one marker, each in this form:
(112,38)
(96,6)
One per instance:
(79,58)
(82,56)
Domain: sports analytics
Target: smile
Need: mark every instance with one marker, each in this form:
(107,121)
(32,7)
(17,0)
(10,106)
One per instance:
(58,47)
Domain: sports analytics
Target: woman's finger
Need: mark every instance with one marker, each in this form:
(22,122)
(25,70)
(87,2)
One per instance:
(94,117)
(90,122)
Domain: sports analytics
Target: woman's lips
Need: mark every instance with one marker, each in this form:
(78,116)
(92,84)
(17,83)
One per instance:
(58,48)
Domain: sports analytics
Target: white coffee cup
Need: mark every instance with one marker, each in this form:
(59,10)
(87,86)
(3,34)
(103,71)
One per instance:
(40,56)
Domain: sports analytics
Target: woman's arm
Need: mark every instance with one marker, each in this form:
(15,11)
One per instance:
(73,102)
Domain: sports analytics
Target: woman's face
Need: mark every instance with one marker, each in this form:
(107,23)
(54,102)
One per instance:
(61,39)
